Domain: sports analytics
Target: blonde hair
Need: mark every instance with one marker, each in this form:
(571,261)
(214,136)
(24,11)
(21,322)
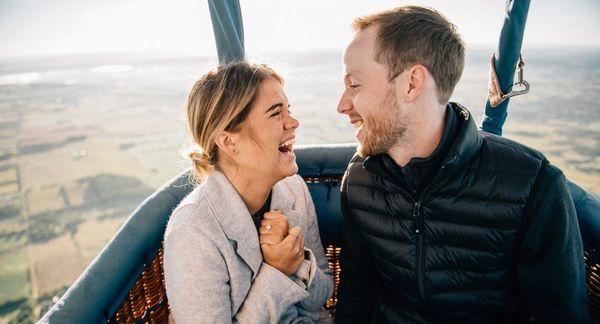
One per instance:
(221,101)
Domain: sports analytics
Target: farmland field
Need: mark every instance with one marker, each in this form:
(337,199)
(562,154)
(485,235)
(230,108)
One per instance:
(84,139)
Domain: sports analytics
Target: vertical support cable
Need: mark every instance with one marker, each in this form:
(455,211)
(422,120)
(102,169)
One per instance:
(226,17)
(506,57)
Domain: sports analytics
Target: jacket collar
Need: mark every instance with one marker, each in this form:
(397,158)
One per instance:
(467,143)
(235,220)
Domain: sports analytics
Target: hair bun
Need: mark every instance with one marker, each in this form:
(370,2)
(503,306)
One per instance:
(200,158)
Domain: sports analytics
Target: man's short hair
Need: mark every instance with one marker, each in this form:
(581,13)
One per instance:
(411,35)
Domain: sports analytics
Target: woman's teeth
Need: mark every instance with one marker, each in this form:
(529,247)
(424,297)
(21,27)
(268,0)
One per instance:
(286,146)
(358,124)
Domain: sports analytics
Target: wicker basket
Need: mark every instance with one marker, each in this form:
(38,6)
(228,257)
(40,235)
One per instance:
(146,301)
(592,267)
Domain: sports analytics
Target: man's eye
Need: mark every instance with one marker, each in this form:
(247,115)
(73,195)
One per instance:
(354,87)
(277,113)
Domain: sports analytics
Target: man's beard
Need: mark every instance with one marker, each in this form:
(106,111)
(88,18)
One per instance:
(385,126)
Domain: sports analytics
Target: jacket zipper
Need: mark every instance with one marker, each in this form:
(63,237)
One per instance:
(420,247)
(419,231)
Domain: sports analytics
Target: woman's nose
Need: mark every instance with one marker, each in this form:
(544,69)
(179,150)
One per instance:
(291,123)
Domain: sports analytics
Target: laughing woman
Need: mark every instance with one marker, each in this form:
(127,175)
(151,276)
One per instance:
(244,245)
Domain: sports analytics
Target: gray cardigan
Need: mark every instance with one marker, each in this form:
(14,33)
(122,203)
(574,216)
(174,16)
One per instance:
(213,264)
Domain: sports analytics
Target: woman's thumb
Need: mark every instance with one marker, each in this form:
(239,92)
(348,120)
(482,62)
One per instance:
(294,234)
(296,231)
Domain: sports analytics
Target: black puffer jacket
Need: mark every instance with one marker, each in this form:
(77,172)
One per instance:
(493,238)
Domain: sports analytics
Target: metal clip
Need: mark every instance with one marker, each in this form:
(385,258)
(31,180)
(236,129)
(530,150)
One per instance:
(496,96)
(520,81)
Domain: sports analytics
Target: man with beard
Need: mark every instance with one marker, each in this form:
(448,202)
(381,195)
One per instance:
(443,223)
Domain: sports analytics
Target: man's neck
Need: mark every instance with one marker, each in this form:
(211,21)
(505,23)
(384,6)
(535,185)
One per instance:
(421,138)
(253,190)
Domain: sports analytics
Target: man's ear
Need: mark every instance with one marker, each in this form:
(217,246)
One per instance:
(228,143)
(417,76)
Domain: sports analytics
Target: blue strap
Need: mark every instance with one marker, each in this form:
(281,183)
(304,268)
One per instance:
(507,55)
(228,27)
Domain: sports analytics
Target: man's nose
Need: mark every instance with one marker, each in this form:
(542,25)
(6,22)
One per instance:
(291,123)
(345,104)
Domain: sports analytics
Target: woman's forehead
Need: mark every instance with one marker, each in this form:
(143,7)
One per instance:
(270,92)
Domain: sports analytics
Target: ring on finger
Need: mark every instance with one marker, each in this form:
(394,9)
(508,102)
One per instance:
(268,227)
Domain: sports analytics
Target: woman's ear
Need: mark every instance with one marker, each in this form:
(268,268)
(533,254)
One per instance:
(228,143)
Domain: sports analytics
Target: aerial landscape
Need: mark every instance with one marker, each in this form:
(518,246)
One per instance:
(84,139)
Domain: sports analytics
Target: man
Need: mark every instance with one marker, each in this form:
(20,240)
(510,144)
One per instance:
(443,223)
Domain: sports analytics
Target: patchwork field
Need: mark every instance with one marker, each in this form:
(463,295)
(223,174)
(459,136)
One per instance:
(82,144)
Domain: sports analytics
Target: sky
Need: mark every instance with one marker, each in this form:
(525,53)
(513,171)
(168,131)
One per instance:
(51,27)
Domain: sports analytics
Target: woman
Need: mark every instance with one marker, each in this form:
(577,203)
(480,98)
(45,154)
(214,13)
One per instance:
(244,245)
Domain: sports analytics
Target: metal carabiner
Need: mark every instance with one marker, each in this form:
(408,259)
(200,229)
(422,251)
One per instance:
(520,81)
(496,96)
